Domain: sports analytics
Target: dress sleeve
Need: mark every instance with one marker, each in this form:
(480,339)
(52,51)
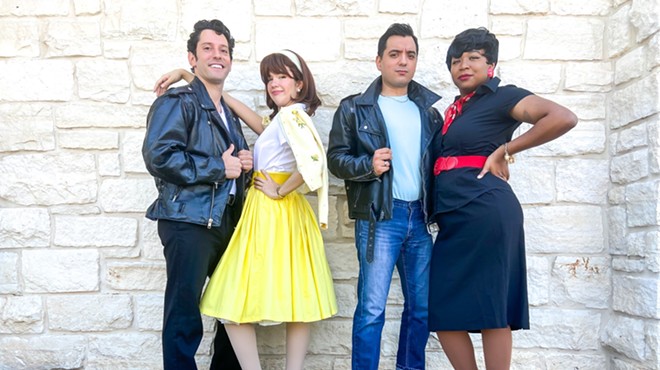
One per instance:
(510,95)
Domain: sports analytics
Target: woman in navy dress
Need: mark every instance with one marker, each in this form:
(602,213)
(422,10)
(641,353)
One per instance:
(478,275)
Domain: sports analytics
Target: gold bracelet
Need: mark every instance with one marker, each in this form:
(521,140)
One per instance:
(277,191)
(508,157)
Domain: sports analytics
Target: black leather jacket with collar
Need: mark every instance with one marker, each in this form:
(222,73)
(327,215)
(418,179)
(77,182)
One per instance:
(358,129)
(183,149)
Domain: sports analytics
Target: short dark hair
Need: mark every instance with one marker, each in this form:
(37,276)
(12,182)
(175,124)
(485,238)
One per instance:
(278,63)
(396,29)
(474,39)
(214,25)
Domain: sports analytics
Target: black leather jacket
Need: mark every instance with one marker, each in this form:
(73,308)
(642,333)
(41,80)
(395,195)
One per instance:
(183,149)
(358,129)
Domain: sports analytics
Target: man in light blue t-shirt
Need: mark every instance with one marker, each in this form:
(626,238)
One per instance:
(378,146)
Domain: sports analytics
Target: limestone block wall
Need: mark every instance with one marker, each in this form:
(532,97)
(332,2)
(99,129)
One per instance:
(81,269)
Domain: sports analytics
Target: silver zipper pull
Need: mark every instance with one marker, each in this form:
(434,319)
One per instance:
(208,225)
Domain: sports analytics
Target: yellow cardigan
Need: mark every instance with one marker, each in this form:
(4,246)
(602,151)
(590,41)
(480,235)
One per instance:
(310,157)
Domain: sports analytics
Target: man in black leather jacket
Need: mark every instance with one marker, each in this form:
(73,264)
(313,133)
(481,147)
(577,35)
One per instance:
(378,146)
(200,160)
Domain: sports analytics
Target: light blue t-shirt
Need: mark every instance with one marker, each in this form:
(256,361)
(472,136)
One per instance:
(404,129)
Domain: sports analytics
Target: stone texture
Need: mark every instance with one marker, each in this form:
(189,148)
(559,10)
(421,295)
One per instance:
(619,31)
(19,38)
(342,259)
(554,38)
(568,7)
(40,80)
(73,37)
(580,280)
(149,311)
(397,7)
(538,280)
(237,15)
(26,127)
(61,178)
(556,229)
(645,16)
(273,7)
(538,78)
(152,249)
(520,7)
(171,56)
(127,195)
(506,25)
(589,76)
(561,329)
(536,189)
(24,228)
(653,128)
(125,19)
(590,176)
(100,115)
(129,276)
(585,138)
(109,164)
(103,80)
(636,296)
(9,273)
(276,38)
(35,8)
(633,138)
(334,7)
(50,271)
(642,205)
(84,139)
(629,167)
(87,7)
(627,105)
(630,66)
(124,351)
(131,152)
(43,352)
(88,313)
(21,315)
(71,231)
(438,18)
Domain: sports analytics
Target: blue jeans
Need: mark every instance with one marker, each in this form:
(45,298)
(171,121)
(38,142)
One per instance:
(402,241)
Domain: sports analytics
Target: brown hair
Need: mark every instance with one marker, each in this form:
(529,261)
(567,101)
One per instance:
(278,63)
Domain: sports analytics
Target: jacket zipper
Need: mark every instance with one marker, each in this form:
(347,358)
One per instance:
(210,222)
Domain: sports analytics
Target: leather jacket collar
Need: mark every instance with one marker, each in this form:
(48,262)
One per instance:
(423,97)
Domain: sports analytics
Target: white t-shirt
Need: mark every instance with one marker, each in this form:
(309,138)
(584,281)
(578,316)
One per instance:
(271,150)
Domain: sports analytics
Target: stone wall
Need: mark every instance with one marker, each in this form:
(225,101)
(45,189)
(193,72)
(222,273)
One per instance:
(81,269)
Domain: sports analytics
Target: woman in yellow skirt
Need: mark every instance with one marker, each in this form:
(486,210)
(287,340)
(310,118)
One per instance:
(275,269)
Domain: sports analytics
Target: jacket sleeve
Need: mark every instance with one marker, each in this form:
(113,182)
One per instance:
(165,147)
(346,159)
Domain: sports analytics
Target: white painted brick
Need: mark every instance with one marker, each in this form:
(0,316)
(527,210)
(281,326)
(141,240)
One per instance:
(633,137)
(334,7)
(236,15)
(274,37)
(361,50)
(43,352)
(629,167)
(372,28)
(100,115)
(103,80)
(245,77)
(630,66)
(642,205)
(135,276)
(645,16)
(9,273)
(87,7)
(617,230)
(127,195)
(558,360)
(73,37)
(60,271)
(128,19)
(623,264)
(561,329)
(119,49)
(635,296)
(589,76)
(124,351)
(26,127)
(585,138)
(581,280)
(152,249)
(627,104)
(617,194)
(582,181)
(86,139)
(568,7)
(109,164)
(35,8)
(24,228)
(19,38)
(653,52)
(342,259)
(273,7)
(533,180)
(585,106)
(538,78)
(345,78)
(331,337)
(71,231)
(48,179)
(519,7)
(564,38)
(506,25)
(653,126)
(439,18)
(510,48)
(170,56)
(619,31)
(149,311)
(556,229)
(131,152)
(538,280)
(398,7)
(89,313)
(75,210)
(40,80)
(21,315)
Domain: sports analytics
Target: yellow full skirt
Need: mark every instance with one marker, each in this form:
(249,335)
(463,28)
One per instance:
(274,269)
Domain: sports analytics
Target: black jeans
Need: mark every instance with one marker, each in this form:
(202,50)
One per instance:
(191,255)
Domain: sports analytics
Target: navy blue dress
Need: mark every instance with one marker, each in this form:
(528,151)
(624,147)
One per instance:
(478,274)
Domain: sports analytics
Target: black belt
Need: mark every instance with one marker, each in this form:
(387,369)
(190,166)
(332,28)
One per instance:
(231,199)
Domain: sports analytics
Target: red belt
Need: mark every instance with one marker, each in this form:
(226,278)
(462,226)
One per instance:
(449,163)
